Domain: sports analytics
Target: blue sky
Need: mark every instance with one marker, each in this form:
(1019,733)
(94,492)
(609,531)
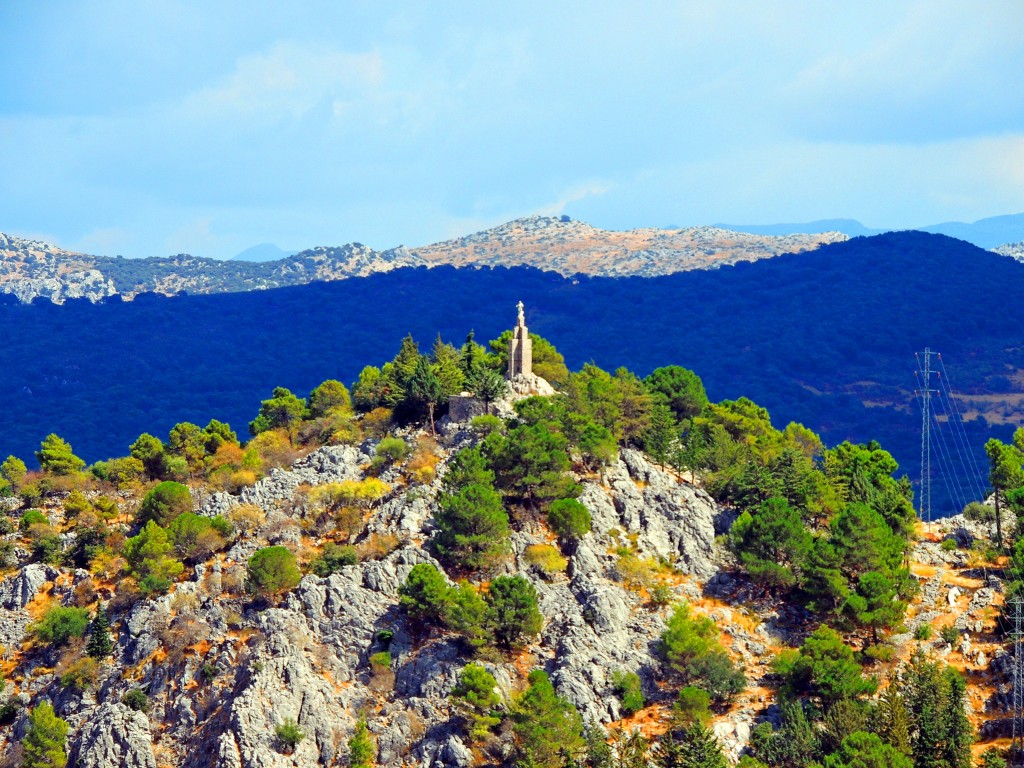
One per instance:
(149,128)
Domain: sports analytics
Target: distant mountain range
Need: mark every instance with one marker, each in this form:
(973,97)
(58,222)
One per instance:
(984,233)
(263,252)
(31,269)
(827,338)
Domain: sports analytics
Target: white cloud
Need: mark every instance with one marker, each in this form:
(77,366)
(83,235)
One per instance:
(931,70)
(576,194)
(286,82)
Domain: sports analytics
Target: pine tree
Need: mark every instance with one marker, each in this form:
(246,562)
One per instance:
(360,746)
(547,727)
(100,643)
(405,362)
(471,358)
(44,742)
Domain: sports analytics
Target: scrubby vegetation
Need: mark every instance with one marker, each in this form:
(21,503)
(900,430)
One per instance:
(823,531)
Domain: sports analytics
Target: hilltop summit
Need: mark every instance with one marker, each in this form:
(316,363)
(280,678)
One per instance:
(573,247)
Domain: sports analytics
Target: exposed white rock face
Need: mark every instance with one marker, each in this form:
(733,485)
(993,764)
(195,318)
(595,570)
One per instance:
(526,384)
(114,736)
(672,519)
(18,590)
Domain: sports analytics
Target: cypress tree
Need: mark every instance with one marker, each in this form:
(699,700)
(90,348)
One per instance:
(100,643)
(424,389)
(700,749)
(894,720)
(957,728)
(925,699)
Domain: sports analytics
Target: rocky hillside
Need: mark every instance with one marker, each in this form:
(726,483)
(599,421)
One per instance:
(207,676)
(220,672)
(571,247)
(30,269)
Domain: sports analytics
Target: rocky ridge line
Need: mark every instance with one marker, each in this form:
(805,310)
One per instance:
(31,269)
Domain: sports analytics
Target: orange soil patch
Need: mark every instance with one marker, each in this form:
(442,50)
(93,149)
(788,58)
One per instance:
(651,721)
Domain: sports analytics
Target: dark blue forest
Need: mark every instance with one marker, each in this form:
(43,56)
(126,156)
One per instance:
(809,336)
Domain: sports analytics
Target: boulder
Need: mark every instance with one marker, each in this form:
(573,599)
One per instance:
(18,590)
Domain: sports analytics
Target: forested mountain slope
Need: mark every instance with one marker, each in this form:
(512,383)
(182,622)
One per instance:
(826,338)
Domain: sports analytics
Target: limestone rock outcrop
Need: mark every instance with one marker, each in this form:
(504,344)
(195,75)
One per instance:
(114,735)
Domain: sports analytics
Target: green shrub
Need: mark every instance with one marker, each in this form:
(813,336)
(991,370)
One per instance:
(948,545)
(136,699)
(661,594)
(628,689)
(164,503)
(546,557)
(476,698)
(718,675)
(425,594)
(992,758)
(880,652)
(273,570)
(691,647)
(923,632)
(32,517)
(950,634)
(486,423)
(81,674)
(195,537)
(978,512)
(150,561)
(392,449)
(569,518)
(381,659)
(47,545)
(693,705)
(289,735)
(59,624)
(333,559)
